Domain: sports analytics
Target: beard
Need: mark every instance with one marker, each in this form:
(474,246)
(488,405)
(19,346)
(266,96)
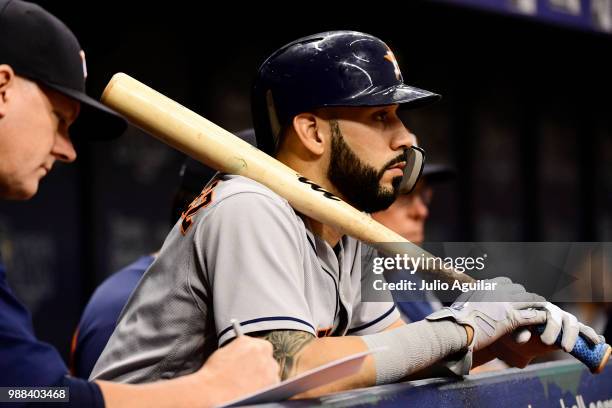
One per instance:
(358,182)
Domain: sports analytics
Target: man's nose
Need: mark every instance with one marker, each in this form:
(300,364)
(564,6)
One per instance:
(403,138)
(63,148)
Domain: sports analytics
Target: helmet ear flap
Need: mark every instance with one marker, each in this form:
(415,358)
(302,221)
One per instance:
(275,126)
(266,139)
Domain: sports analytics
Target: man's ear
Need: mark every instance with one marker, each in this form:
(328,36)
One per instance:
(308,132)
(7,79)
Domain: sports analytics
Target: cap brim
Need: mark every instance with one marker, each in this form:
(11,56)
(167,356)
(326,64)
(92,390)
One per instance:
(404,95)
(412,97)
(96,121)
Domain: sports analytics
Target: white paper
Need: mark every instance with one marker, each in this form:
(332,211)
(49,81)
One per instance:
(308,380)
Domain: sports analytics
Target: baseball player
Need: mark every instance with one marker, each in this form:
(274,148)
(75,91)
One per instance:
(42,83)
(325,105)
(103,309)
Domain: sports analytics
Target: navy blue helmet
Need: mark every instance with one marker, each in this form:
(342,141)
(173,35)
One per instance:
(335,68)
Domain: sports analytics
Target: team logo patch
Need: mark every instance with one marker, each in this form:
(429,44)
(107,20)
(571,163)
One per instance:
(201,201)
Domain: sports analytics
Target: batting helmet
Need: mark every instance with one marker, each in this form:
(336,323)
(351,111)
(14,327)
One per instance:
(335,68)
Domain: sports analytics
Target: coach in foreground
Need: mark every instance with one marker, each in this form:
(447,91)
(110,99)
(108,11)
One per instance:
(42,83)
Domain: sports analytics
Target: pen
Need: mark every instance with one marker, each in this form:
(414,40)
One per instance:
(237,328)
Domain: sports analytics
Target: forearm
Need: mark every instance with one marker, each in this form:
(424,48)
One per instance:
(417,346)
(411,347)
(176,393)
(324,350)
(238,369)
(298,351)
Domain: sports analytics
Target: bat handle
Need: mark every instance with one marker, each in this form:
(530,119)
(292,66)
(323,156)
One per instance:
(594,356)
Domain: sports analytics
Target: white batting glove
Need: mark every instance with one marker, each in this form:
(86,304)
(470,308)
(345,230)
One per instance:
(491,318)
(556,321)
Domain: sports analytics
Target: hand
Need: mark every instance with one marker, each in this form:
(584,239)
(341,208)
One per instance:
(491,318)
(519,348)
(516,354)
(243,366)
(558,322)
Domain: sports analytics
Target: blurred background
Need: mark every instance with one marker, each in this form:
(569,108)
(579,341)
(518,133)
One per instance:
(526,120)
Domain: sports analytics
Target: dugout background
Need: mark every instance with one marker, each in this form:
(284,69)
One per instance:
(526,119)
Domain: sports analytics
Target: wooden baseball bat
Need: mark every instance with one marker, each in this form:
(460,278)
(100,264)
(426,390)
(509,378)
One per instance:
(212,145)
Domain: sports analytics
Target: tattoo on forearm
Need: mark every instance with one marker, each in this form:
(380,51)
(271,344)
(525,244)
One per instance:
(287,347)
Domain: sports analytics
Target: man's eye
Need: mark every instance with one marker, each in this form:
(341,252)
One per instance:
(60,119)
(381,116)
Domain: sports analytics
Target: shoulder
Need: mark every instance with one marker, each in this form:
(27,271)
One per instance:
(238,197)
(240,209)
(244,188)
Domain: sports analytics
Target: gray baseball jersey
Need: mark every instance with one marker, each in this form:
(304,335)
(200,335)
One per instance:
(240,251)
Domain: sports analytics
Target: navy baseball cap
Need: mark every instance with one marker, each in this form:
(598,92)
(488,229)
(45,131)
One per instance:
(39,47)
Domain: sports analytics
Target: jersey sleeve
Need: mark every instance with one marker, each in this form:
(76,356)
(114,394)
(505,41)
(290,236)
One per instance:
(25,361)
(254,259)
